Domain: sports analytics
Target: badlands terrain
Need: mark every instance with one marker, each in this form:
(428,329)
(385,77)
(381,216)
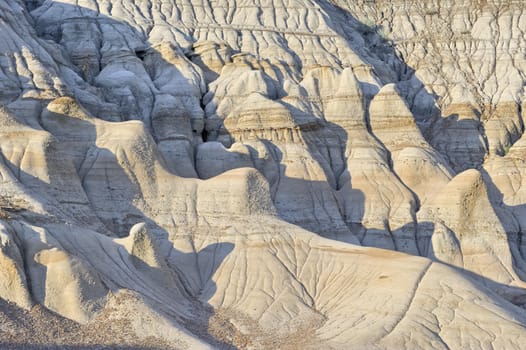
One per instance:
(262,174)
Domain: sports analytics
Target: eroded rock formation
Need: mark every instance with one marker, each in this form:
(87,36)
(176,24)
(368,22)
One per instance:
(262,174)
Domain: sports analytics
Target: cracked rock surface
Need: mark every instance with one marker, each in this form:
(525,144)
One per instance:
(262,174)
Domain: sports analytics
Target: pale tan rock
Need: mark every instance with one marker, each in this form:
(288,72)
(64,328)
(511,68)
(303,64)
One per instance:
(414,160)
(211,57)
(213,158)
(173,165)
(473,64)
(468,226)
(144,247)
(60,281)
(13,286)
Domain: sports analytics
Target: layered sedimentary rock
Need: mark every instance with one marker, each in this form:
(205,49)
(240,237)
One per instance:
(475,67)
(197,174)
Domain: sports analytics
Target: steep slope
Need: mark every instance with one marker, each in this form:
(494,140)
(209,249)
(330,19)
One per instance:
(219,168)
(475,67)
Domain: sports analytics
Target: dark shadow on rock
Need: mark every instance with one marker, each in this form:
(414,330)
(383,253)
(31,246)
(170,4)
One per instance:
(323,137)
(211,256)
(461,141)
(425,232)
(202,263)
(113,205)
(173,116)
(516,296)
(508,216)
(380,50)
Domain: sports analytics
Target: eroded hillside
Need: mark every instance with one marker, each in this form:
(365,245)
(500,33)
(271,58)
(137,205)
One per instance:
(215,174)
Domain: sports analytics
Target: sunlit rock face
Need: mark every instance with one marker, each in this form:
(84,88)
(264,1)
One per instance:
(262,174)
